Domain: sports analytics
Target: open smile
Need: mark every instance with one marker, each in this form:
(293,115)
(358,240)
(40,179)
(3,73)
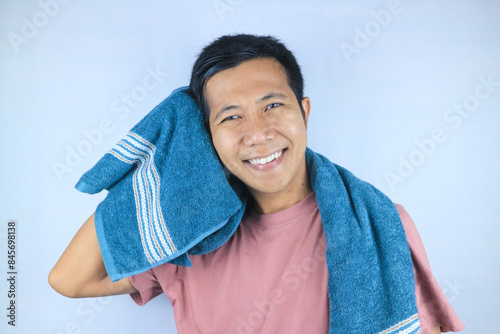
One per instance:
(266,160)
(266,163)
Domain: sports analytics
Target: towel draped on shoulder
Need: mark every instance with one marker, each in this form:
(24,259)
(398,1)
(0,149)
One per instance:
(169,197)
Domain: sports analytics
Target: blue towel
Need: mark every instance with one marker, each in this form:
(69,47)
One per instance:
(168,196)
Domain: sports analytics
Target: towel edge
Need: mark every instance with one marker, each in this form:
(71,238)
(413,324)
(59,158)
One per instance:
(85,187)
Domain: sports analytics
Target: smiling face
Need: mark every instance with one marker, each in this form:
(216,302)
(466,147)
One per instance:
(259,131)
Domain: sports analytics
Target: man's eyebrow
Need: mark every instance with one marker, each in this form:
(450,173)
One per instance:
(271,96)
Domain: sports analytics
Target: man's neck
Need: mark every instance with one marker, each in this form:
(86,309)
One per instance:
(266,203)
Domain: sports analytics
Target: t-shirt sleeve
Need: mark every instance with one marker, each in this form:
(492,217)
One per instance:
(433,307)
(153,282)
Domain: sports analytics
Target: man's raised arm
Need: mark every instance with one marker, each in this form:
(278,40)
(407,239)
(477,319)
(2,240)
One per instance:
(80,271)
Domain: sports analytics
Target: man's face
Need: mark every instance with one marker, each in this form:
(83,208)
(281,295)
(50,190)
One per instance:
(257,126)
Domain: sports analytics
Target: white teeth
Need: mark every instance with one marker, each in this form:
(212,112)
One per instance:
(263,161)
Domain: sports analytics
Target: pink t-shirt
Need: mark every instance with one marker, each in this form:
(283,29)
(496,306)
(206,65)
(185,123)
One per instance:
(271,277)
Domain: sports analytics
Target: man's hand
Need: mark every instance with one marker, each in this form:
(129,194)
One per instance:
(80,271)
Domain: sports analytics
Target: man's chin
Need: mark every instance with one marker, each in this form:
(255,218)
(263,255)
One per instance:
(264,188)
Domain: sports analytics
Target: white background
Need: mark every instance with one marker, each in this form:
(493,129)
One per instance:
(66,68)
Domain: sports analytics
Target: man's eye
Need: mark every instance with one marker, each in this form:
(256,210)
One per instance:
(230,118)
(273,105)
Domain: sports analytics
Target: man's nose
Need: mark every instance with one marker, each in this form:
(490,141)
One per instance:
(258,130)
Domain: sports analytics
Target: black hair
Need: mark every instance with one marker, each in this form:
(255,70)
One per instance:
(230,51)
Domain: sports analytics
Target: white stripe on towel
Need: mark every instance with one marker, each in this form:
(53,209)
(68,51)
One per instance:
(155,238)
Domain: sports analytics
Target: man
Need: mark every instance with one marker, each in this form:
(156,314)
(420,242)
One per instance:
(271,276)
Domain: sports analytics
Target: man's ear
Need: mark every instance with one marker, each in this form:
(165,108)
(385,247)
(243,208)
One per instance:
(306,107)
